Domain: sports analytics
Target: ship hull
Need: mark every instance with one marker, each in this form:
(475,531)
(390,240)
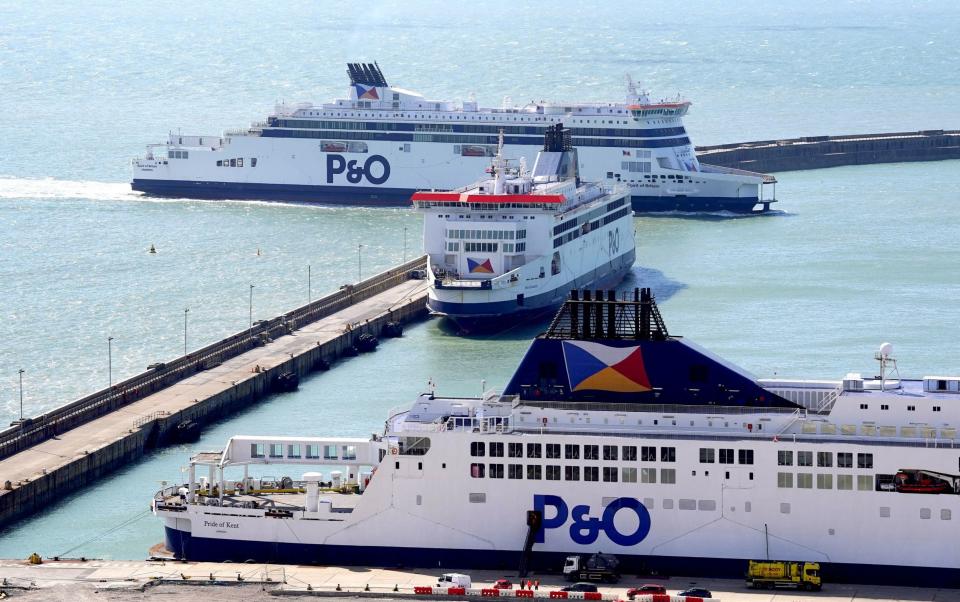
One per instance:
(199,549)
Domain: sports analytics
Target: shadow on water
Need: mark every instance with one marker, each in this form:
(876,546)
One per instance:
(713,216)
(528,328)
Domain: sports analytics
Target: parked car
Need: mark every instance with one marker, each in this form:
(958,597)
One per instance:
(645,589)
(503,584)
(582,586)
(696,592)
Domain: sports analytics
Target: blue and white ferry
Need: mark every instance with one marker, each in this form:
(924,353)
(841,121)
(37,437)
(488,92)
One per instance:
(625,439)
(514,245)
(382,143)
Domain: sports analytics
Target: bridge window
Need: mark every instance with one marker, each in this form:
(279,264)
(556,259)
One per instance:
(313,451)
(610,452)
(276,450)
(533,450)
(293,450)
(746,456)
(726,456)
(256,450)
(409,446)
(785,458)
(553,451)
(648,453)
(515,450)
(844,460)
(629,453)
(329,452)
(496,450)
(477,449)
(864,460)
(591,452)
(668,454)
(571,452)
(706,455)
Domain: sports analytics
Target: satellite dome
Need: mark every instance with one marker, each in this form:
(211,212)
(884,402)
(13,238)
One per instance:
(886,350)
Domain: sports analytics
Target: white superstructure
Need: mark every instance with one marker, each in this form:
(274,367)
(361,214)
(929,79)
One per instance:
(517,243)
(382,143)
(627,440)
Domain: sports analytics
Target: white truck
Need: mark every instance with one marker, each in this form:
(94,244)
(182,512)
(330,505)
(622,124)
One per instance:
(596,567)
(454,580)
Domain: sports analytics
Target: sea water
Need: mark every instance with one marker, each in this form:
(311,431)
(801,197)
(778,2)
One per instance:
(851,257)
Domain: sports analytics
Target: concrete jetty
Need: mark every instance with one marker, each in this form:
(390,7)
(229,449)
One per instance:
(817,152)
(51,455)
(73,579)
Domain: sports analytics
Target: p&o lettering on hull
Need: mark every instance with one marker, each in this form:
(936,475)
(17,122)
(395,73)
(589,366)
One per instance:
(584,529)
(375,170)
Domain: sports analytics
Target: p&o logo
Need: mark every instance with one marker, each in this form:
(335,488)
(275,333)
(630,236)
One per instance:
(585,529)
(375,169)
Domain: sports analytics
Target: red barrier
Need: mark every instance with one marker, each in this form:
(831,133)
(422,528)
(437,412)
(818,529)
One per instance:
(660,598)
(694,599)
(456,591)
(592,596)
(490,593)
(422,590)
(524,593)
(561,595)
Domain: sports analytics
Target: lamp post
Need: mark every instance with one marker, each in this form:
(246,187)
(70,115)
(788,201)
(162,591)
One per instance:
(251,306)
(110,360)
(185,312)
(359,264)
(21,395)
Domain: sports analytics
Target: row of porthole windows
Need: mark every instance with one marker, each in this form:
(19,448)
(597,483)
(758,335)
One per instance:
(571,451)
(805,480)
(824,459)
(555,472)
(296,451)
(236,162)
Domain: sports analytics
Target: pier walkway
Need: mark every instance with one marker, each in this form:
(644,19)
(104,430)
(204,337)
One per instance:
(817,152)
(43,470)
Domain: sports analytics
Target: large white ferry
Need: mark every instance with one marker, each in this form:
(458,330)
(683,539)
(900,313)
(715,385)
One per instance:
(382,143)
(625,439)
(516,244)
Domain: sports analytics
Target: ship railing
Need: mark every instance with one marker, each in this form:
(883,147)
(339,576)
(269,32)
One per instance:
(826,405)
(664,409)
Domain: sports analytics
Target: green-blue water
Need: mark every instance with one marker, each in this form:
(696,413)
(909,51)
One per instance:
(855,257)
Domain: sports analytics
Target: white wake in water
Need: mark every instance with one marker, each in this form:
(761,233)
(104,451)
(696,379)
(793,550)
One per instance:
(50,188)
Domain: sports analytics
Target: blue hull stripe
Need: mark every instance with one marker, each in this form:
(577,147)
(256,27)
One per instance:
(387,197)
(198,549)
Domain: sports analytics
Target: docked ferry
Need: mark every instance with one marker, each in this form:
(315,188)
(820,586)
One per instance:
(617,436)
(382,143)
(514,245)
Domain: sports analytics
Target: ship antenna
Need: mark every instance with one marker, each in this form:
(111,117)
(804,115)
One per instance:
(499,166)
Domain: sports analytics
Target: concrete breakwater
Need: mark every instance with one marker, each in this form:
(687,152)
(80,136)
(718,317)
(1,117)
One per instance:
(75,444)
(816,152)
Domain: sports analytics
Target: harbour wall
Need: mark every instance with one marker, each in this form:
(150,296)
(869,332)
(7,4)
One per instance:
(20,497)
(817,152)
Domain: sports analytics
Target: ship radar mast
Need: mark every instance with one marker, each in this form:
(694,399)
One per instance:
(499,167)
(635,94)
(885,357)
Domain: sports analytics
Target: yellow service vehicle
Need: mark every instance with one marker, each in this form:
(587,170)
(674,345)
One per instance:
(784,573)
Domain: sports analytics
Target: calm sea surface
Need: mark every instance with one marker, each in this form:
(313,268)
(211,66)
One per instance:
(854,256)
